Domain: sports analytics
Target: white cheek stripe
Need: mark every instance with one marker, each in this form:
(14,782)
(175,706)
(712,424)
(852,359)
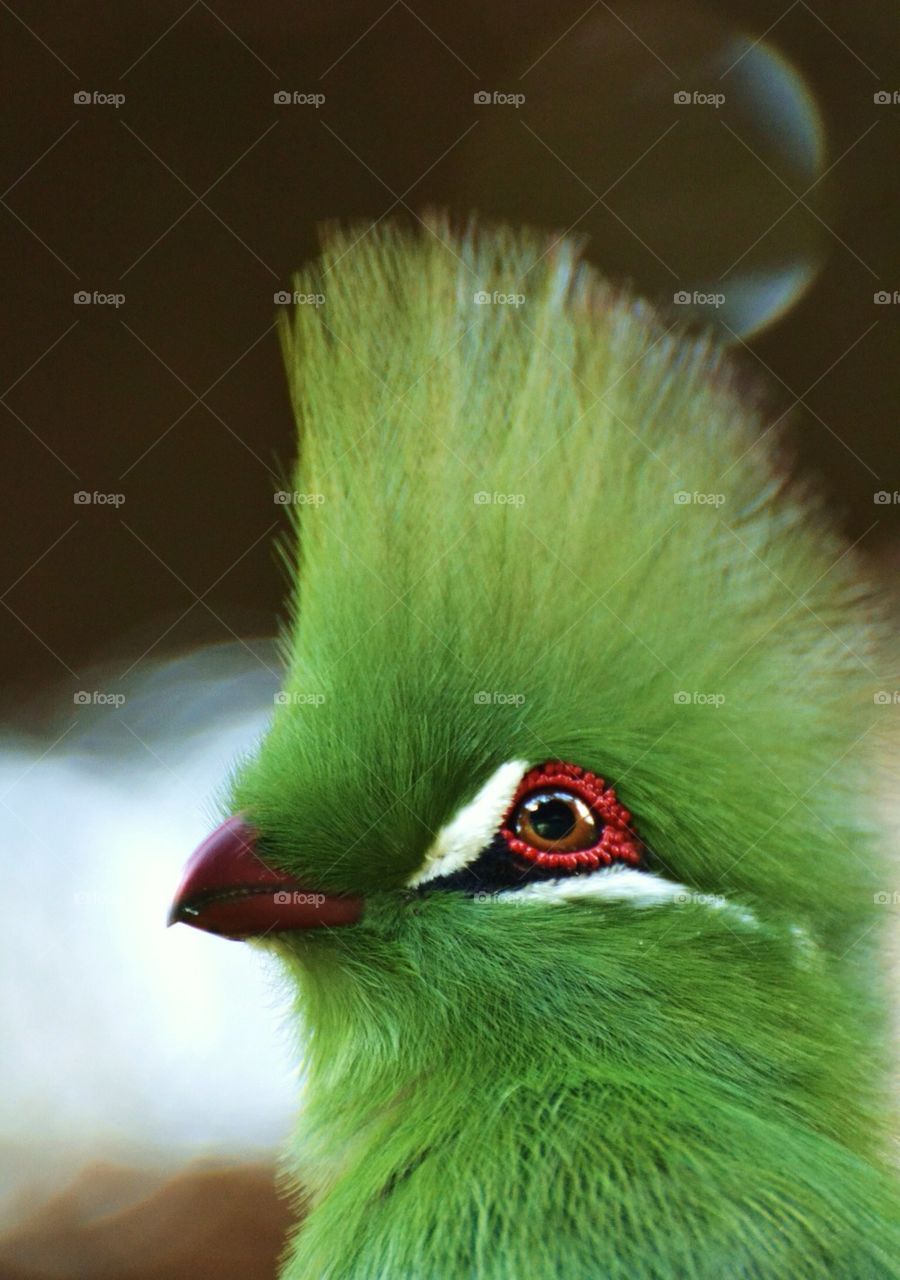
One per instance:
(624,884)
(462,839)
(615,884)
(643,889)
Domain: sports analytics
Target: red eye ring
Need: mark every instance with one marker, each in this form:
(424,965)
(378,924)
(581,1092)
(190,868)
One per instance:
(617,842)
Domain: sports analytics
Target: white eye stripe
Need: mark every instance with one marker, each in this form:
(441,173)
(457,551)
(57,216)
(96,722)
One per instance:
(463,838)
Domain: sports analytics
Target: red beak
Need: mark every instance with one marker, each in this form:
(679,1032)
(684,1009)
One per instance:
(229,889)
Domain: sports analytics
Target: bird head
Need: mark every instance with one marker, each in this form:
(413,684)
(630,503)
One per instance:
(563,824)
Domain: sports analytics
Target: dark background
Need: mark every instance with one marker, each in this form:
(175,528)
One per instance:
(198,197)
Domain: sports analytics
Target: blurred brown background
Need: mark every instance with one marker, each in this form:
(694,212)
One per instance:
(198,195)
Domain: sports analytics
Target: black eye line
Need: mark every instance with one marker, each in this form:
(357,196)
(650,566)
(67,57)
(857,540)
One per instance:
(494,868)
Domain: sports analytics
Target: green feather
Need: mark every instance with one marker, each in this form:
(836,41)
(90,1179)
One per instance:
(587,1089)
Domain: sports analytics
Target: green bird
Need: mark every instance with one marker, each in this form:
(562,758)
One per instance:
(565,829)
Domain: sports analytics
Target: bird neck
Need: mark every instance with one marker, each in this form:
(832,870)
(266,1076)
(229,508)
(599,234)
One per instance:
(611,1119)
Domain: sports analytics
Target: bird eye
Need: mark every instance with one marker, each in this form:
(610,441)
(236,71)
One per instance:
(556,821)
(567,817)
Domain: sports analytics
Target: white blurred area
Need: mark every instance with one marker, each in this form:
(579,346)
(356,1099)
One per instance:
(124,1040)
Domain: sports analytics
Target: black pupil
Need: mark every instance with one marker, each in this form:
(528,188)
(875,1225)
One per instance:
(552,819)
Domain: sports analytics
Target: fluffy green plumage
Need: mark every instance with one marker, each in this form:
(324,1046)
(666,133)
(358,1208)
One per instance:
(591,1089)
